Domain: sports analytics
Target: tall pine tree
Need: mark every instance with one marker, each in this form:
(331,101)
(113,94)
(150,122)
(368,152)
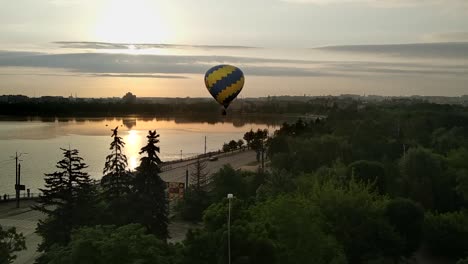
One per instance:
(116,183)
(150,198)
(67,200)
(199,175)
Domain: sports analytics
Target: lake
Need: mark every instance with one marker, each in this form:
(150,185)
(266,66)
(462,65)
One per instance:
(41,139)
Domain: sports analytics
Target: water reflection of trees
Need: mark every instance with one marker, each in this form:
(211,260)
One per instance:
(129,122)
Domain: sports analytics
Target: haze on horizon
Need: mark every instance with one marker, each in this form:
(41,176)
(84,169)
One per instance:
(160,48)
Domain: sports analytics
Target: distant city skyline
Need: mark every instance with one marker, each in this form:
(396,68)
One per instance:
(161,48)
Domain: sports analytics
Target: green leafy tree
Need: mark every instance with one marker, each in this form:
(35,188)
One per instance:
(110,244)
(240,143)
(277,182)
(116,183)
(10,242)
(297,231)
(421,168)
(227,180)
(249,137)
(446,235)
(232,145)
(354,215)
(368,172)
(67,200)
(407,217)
(150,202)
(249,240)
(226,147)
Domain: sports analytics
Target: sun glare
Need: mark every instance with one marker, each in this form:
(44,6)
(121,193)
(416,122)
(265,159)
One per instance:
(131,148)
(136,21)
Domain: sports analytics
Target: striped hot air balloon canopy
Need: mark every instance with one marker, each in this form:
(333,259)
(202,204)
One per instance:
(224,82)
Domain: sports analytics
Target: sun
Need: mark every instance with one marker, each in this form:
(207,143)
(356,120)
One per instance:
(131,21)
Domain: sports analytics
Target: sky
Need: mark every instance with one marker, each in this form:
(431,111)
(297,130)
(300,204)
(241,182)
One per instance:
(162,48)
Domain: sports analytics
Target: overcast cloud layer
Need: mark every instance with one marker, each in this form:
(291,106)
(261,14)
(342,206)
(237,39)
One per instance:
(448,59)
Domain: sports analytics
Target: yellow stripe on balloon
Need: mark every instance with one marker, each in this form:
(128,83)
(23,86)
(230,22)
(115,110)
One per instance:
(230,90)
(219,74)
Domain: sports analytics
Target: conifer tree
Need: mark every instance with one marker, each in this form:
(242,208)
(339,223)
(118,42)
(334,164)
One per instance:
(199,175)
(116,183)
(150,197)
(67,200)
(116,180)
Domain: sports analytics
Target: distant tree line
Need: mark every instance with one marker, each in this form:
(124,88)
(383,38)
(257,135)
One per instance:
(129,105)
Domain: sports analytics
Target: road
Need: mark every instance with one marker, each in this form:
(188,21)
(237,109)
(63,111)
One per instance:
(25,221)
(236,160)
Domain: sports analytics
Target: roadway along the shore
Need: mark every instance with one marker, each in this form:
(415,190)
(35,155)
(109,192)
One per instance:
(25,221)
(236,160)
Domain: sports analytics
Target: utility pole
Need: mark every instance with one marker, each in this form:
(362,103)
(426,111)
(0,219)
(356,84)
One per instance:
(205,145)
(186,178)
(180,154)
(229,196)
(18,187)
(17,177)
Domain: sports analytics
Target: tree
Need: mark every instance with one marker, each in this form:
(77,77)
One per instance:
(240,143)
(199,175)
(116,183)
(232,145)
(227,180)
(110,244)
(196,198)
(354,215)
(67,200)
(129,98)
(420,168)
(249,240)
(277,182)
(446,235)
(226,147)
(297,231)
(369,172)
(10,242)
(407,217)
(248,137)
(150,200)
(258,142)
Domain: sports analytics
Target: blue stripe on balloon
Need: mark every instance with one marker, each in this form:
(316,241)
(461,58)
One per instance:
(220,85)
(210,71)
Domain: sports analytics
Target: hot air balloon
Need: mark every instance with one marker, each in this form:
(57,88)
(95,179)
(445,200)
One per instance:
(224,82)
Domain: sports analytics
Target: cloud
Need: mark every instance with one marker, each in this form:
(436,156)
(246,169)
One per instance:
(138,76)
(385,3)
(177,67)
(110,45)
(449,50)
(461,36)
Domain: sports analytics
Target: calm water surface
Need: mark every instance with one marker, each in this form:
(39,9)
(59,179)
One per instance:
(42,139)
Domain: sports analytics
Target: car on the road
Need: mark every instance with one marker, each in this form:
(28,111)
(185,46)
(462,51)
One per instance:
(213,158)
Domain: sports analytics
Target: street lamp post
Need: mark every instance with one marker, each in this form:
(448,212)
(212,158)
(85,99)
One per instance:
(229,196)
